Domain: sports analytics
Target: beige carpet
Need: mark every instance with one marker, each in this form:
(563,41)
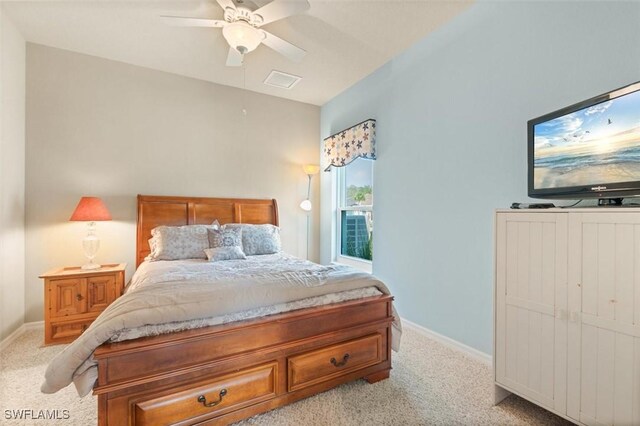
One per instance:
(429,385)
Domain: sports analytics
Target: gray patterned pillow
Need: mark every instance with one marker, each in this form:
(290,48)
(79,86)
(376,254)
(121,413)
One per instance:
(226,244)
(258,239)
(180,242)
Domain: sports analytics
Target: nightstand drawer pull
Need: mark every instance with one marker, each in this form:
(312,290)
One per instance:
(345,358)
(202,399)
(79,297)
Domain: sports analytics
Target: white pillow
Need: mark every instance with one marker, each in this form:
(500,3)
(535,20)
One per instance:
(180,242)
(258,239)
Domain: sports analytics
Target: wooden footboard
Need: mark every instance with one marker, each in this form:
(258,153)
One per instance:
(222,374)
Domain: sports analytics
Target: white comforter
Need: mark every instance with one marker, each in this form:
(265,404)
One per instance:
(166,296)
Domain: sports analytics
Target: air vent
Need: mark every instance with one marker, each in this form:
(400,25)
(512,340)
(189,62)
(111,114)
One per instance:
(282,80)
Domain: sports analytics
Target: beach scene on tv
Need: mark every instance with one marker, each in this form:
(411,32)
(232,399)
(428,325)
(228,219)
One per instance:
(599,144)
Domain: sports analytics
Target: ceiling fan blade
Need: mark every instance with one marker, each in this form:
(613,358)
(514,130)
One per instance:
(283,47)
(235,58)
(181,21)
(279,9)
(224,4)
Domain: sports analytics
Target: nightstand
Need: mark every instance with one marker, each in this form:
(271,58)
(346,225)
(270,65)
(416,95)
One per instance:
(73,299)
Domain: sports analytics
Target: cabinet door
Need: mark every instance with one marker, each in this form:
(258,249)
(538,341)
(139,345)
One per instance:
(101,291)
(604,326)
(531,326)
(67,297)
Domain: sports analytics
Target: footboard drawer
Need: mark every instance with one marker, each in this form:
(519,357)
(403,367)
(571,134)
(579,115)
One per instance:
(198,401)
(326,363)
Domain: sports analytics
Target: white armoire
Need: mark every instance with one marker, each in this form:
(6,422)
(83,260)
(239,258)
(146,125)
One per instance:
(567,311)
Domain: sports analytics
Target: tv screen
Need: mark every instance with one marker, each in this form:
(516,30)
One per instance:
(590,149)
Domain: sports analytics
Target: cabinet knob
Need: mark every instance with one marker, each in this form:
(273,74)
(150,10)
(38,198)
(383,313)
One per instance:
(78,297)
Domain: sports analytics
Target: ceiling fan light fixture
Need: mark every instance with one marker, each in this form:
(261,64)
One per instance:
(242,36)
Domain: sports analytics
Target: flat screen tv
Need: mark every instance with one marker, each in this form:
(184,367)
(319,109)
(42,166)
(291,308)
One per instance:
(588,150)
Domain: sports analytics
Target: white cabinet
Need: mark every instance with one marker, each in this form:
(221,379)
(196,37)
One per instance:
(567,311)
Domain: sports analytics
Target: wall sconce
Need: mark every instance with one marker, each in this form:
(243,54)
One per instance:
(309,170)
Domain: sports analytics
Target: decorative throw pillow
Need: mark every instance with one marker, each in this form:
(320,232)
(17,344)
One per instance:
(225,244)
(258,239)
(153,247)
(180,242)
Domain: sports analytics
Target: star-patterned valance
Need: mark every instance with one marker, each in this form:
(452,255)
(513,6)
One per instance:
(345,146)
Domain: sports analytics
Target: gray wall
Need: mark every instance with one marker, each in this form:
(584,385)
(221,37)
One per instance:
(103,128)
(12,166)
(452,113)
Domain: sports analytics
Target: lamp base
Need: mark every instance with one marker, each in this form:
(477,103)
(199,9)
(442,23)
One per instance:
(91,244)
(90,266)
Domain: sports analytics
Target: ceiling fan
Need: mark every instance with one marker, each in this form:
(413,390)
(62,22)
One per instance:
(241,27)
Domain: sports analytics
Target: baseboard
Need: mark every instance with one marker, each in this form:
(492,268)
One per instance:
(12,337)
(34,325)
(449,342)
(19,332)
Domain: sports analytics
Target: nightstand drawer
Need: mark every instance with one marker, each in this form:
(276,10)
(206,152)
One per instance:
(68,331)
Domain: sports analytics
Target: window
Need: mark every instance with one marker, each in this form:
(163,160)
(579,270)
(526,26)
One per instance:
(354,239)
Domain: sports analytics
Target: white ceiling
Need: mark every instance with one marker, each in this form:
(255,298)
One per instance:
(345,40)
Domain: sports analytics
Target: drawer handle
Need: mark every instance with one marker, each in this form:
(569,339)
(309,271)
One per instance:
(345,358)
(204,402)
(78,297)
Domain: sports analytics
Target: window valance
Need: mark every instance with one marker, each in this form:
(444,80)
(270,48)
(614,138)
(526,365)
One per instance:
(345,146)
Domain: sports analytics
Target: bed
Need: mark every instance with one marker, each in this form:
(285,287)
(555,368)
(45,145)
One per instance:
(231,370)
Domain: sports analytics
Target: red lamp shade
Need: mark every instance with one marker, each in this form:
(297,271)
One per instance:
(90,209)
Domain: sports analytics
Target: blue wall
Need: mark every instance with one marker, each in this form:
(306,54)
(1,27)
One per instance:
(452,113)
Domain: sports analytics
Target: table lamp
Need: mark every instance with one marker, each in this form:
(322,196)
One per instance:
(92,210)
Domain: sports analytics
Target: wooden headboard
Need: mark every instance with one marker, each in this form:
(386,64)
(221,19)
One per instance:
(174,211)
